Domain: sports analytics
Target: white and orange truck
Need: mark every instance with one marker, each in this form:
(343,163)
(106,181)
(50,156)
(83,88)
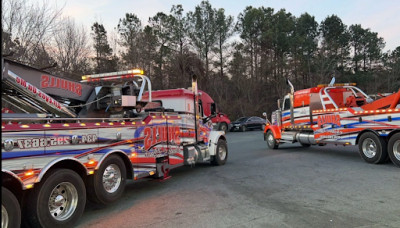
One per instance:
(54,157)
(339,114)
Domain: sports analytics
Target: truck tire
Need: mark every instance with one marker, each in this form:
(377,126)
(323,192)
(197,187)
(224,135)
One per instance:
(223,127)
(271,141)
(10,209)
(221,154)
(305,144)
(394,149)
(372,148)
(58,201)
(108,183)
(243,128)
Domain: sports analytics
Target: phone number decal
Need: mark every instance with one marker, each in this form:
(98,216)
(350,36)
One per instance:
(53,141)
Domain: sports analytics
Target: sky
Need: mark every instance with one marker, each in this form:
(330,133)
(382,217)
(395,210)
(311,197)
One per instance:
(381,16)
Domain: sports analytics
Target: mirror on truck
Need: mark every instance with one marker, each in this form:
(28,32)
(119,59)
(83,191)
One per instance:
(213,109)
(279,102)
(264,114)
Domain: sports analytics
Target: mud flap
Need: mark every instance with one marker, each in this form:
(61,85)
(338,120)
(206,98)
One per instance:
(162,168)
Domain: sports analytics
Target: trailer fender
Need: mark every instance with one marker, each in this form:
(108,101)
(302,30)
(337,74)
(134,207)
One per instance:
(366,130)
(64,162)
(11,180)
(275,130)
(213,140)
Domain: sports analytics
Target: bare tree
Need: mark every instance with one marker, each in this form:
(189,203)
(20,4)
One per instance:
(70,47)
(29,26)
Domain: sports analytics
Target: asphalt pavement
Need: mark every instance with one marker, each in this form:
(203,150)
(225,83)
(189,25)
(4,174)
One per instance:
(319,186)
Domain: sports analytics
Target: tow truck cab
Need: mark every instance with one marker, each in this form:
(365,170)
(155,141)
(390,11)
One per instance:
(181,100)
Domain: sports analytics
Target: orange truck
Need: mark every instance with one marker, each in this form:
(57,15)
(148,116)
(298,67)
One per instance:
(339,114)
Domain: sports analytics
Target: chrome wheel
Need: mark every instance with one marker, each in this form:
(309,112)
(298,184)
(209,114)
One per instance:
(112,178)
(369,148)
(270,139)
(4,217)
(396,150)
(224,127)
(63,201)
(222,152)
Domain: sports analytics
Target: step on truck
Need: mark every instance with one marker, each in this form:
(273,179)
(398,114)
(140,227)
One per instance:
(339,114)
(53,161)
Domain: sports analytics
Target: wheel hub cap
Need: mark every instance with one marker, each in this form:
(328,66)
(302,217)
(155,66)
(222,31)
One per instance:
(63,201)
(4,217)
(270,139)
(222,152)
(369,148)
(396,150)
(112,178)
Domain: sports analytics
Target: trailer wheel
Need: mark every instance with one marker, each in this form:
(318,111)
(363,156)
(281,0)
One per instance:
(394,149)
(221,154)
(108,182)
(58,201)
(372,148)
(10,210)
(271,141)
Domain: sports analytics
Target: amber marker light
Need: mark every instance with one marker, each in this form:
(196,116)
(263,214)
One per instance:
(29,173)
(28,186)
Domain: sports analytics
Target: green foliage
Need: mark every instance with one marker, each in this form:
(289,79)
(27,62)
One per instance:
(105,62)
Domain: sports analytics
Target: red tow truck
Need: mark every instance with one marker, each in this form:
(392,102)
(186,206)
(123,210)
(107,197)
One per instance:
(339,114)
(182,100)
(98,133)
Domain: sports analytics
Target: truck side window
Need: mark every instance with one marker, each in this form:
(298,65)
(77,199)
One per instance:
(213,109)
(286,104)
(201,113)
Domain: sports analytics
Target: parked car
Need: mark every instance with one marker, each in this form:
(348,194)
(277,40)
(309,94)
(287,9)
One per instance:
(244,123)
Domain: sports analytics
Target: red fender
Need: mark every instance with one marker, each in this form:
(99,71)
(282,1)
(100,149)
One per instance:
(275,130)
